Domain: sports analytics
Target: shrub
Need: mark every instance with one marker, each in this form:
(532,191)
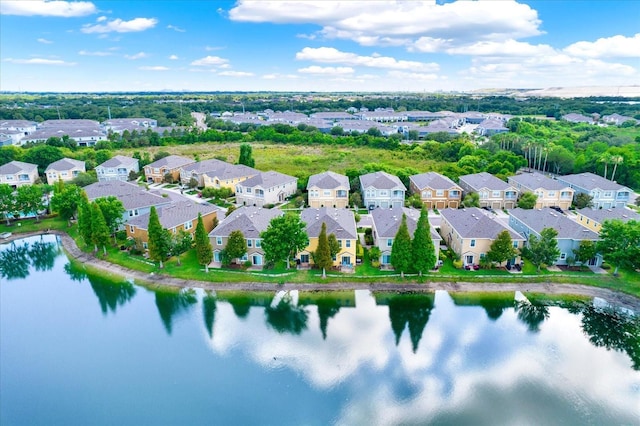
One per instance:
(457,264)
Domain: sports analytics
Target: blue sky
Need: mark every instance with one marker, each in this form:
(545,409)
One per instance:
(99,46)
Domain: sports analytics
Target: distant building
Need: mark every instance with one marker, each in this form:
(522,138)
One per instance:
(594,218)
(492,192)
(605,194)
(65,170)
(578,118)
(550,192)
(436,191)
(381,189)
(117,168)
(172,164)
(266,188)
(18,173)
(328,189)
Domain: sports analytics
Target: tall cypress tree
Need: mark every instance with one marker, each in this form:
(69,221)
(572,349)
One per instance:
(99,230)
(204,251)
(246,156)
(322,256)
(401,248)
(84,218)
(159,241)
(422,250)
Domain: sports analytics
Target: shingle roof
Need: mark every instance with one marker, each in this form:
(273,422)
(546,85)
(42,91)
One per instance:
(251,221)
(205,166)
(172,162)
(381,180)
(268,179)
(590,181)
(65,164)
(474,223)
(432,180)
(340,222)
(131,195)
(13,167)
(119,160)
(533,181)
(328,180)
(600,215)
(538,219)
(175,214)
(387,221)
(481,180)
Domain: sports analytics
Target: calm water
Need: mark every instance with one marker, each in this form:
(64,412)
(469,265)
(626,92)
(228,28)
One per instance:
(78,349)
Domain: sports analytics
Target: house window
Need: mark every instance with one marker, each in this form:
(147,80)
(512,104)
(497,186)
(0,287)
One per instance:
(454,194)
(256,259)
(244,257)
(188,225)
(495,194)
(326,193)
(133,212)
(258,243)
(426,194)
(219,241)
(481,255)
(473,243)
(384,193)
(389,242)
(552,193)
(216,256)
(563,256)
(348,242)
(440,193)
(132,228)
(304,258)
(145,246)
(515,244)
(249,243)
(340,243)
(386,259)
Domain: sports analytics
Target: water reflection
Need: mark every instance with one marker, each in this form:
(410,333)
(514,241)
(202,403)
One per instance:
(17,257)
(410,311)
(285,316)
(493,303)
(532,314)
(172,304)
(209,311)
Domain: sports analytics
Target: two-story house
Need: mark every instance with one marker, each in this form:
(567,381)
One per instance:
(228,176)
(570,232)
(492,192)
(64,169)
(249,220)
(605,194)
(436,191)
(550,192)
(328,189)
(594,218)
(117,168)
(381,189)
(384,227)
(469,233)
(341,223)
(156,171)
(18,173)
(266,188)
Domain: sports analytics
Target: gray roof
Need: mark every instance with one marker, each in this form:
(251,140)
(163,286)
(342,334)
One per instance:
(432,180)
(205,166)
(231,171)
(16,123)
(538,219)
(600,215)
(387,221)
(475,223)
(381,180)
(65,164)
(249,220)
(268,179)
(533,181)
(13,167)
(328,180)
(131,195)
(482,180)
(174,214)
(69,123)
(590,181)
(119,160)
(172,162)
(340,222)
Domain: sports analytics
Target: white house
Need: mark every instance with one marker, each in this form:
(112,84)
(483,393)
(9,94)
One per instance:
(266,188)
(117,168)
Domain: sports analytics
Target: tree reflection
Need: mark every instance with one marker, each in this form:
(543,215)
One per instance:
(327,308)
(494,304)
(531,314)
(75,272)
(171,304)
(111,294)
(241,302)
(285,317)
(43,255)
(613,329)
(209,312)
(412,311)
(14,261)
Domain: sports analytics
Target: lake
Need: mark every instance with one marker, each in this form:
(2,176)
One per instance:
(77,349)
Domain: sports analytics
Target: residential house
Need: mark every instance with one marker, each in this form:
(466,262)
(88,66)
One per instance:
(469,233)
(594,218)
(490,127)
(616,119)
(182,215)
(493,193)
(381,189)
(65,170)
(550,192)
(436,191)
(117,168)
(266,188)
(606,194)
(384,227)
(17,173)
(83,132)
(156,171)
(119,125)
(570,232)
(135,199)
(578,118)
(341,223)
(228,176)
(328,189)
(249,220)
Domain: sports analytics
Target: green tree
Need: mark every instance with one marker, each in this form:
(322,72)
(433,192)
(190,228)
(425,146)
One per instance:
(543,250)
(43,155)
(7,202)
(204,251)
(84,218)
(65,200)
(620,244)
(30,200)
(401,248)
(236,247)
(113,211)
(471,199)
(582,200)
(334,246)
(355,199)
(527,200)
(422,249)
(246,155)
(586,251)
(99,230)
(84,179)
(159,242)
(322,256)
(284,237)
(181,243)
(502,248)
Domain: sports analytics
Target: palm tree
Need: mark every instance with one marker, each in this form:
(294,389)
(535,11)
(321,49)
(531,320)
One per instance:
(606,159)
(615,160)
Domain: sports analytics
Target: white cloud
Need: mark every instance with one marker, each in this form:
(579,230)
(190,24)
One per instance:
(101,19)
(502,48)
(611,47)
(332,55)
(61,9)
(44,41)
(173,27)
(95,53)
(314,69)
(153,68)
(278,76)
(174,57)
(40,61)
(236,74)
(214,61)
(120,26)
(136,56)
